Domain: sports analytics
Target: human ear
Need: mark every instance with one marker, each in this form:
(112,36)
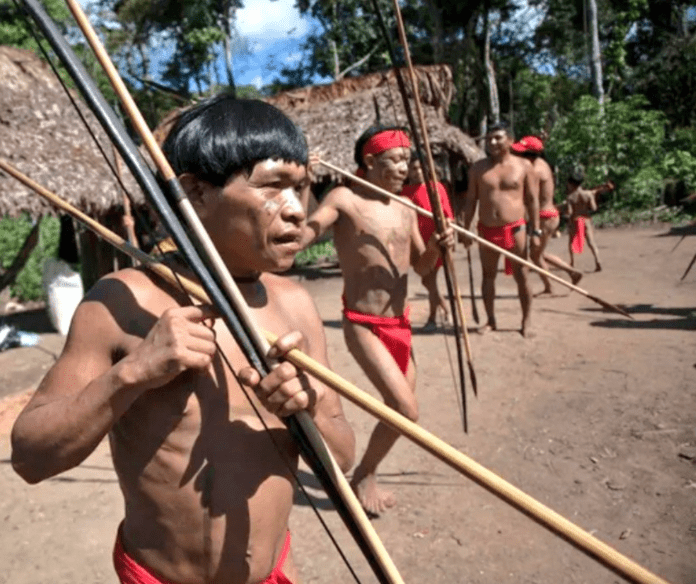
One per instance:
(369,161)
(196,190)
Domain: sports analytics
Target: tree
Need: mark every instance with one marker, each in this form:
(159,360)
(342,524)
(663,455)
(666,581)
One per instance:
(14,30)
(192,32)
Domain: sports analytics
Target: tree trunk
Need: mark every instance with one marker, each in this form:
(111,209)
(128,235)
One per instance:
(229,19)
(438,31)
(595,55)
(493,101)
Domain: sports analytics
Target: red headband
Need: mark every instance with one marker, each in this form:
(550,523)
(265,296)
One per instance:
(386,141)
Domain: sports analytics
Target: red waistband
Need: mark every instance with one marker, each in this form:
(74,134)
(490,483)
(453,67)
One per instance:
(549,213)
(366,318)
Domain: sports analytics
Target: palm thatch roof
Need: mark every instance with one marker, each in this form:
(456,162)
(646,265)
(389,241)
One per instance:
(42,135)
(333,116)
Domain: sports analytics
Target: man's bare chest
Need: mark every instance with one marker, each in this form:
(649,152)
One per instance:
(377,224)
(507,179)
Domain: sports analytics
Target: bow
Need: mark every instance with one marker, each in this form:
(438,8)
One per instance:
(476,472)
(460,330)
(432,444)
(211,272)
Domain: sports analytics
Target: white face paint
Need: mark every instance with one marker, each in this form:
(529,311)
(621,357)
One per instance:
(289,197)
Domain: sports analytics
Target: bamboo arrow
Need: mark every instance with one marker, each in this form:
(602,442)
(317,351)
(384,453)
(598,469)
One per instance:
(419,436)
(477,238)
(238,318)
(438,214)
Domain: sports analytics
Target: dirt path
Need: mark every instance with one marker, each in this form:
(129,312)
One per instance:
(595,417)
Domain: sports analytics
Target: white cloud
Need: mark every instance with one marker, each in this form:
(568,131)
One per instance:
(257,82)
(267,20)
(293,58)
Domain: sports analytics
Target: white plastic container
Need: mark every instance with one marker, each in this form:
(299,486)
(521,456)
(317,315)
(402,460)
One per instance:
(63,289)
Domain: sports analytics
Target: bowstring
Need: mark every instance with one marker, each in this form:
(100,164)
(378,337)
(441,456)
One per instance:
(158,244)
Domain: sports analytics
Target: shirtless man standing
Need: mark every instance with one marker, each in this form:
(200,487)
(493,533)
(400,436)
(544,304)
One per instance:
(506,186)
(207,489)
(532,148)
(377,239)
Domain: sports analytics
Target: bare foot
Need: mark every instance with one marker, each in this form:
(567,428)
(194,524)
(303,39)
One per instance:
(482,330)
(544,292)
(576,277)
(374,499)
(598,267)
(429,327)
(527,332)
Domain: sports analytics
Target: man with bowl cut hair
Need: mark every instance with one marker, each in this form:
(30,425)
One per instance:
(377,239)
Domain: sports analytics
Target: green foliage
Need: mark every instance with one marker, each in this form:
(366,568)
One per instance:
(316,253)
(623,142)
(680,165)
(13,27)
(13,232)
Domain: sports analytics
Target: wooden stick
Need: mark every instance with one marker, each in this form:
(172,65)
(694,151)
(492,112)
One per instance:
(429,442)
(438,213)
(476,238)
(362,521)
(472,289)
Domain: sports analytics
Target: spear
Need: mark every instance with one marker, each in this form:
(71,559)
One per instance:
(477,238)
(440,449)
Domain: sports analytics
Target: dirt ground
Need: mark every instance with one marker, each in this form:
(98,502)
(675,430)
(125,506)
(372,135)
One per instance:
(595,417)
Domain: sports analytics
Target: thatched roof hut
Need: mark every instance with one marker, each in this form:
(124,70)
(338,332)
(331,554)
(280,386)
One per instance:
(42,135)
(333,116)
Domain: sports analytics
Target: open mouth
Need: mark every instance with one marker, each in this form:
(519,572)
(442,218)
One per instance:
(291,238)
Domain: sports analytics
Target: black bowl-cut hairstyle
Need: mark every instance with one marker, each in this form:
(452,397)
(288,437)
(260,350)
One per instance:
(223,136)
(366,135)
(497,126)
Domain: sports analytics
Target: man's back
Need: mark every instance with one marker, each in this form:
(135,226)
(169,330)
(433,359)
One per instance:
(581,202)
(546,183)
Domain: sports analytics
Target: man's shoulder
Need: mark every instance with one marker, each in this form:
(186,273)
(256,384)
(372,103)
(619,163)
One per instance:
(291,297)
(543,168)
(339,194)
(125,288)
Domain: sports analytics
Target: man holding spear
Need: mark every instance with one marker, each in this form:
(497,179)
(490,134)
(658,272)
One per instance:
(506,187)
(377,240)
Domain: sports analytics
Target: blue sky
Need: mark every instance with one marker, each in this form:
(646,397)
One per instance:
(274,30)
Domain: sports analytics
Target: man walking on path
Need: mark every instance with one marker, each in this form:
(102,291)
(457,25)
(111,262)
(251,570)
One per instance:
(417,192)
(532,148)
(377,240)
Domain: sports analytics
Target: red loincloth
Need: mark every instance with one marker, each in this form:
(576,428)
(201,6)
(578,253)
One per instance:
(549,213)
(130,572)
(418,194)
(503,236)
(393,331)
(577,244)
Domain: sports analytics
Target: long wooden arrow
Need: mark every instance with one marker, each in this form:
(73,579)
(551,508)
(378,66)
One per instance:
(477,238)
(419,436)
(205,262)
